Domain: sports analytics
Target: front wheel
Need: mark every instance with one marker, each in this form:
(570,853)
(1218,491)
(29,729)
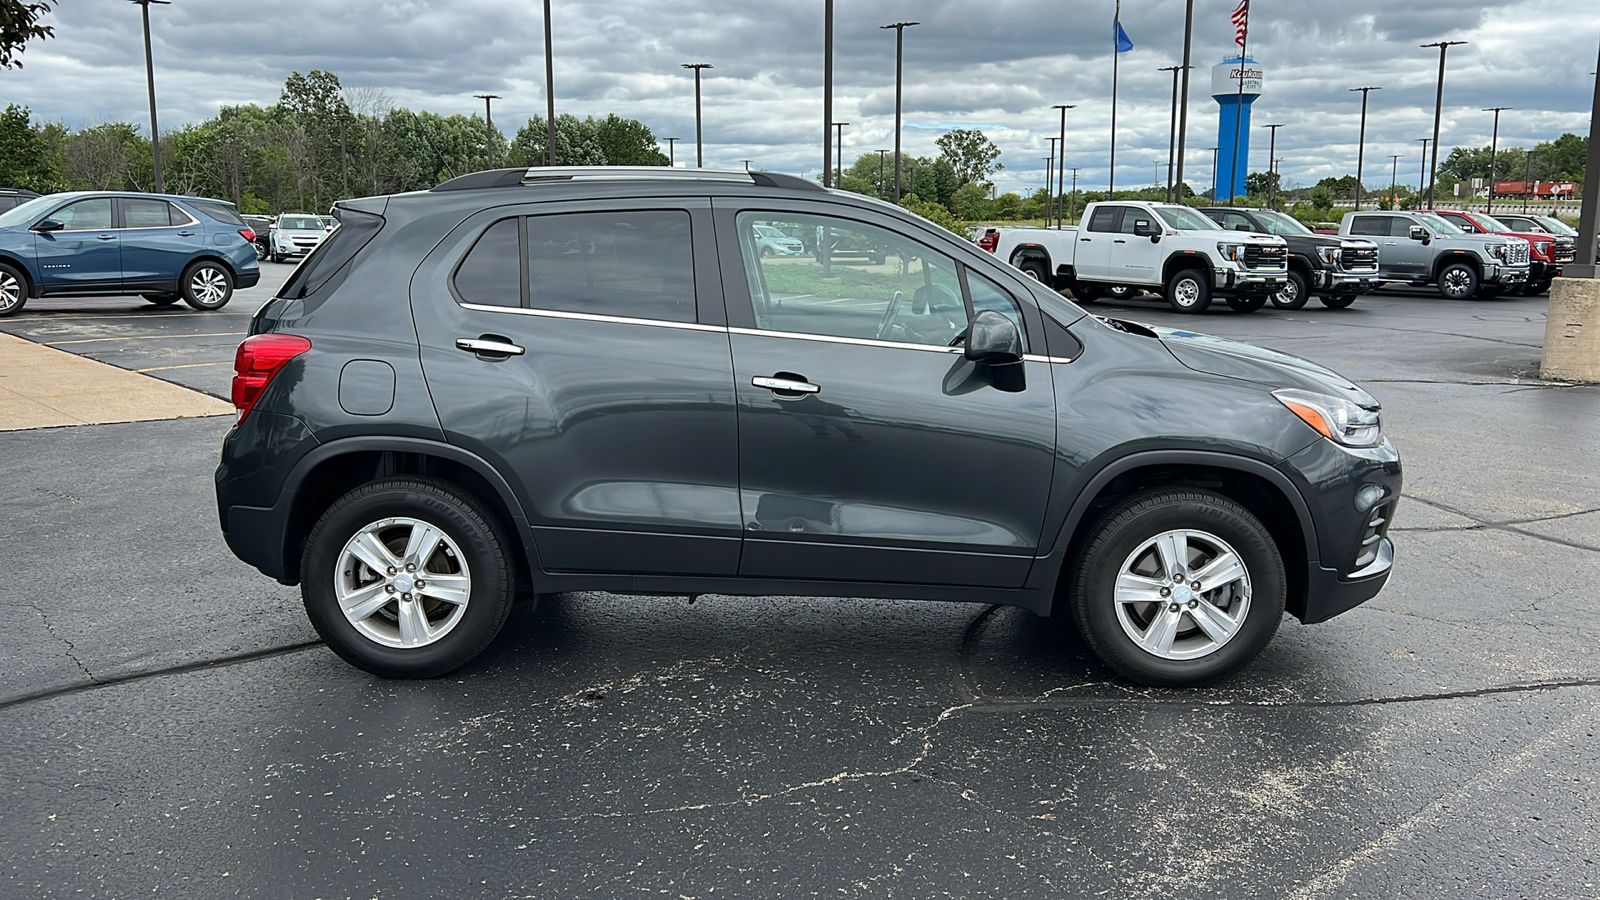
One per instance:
(1247,304)
(13,290)
(407,577)
(1177,588)
(1535,288)
(207,285)
(1337,301)
(1458,281)
(1295,292)
(1189,291)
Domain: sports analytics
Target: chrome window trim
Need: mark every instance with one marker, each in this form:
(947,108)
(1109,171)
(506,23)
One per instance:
(833,339)
(593,317)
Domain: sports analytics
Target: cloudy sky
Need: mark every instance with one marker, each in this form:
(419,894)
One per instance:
(997,65)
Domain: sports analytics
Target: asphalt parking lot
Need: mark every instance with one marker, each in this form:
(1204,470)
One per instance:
(169,725)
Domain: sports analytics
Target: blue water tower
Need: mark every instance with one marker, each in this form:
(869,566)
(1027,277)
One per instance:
(1233,123)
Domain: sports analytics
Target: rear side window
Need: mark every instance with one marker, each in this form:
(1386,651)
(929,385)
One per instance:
(633,264)
(491,273)
(355,230)
(1105,218)
(216,209)
(1373,225)
(149,214)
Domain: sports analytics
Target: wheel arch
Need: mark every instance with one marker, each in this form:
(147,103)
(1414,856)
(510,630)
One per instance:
(1180,261)
(334,469)
(1025,252)
(27,276)
(1452,257)
(208,257)
(1267,493)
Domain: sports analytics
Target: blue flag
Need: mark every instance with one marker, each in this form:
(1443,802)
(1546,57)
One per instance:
(1124,43)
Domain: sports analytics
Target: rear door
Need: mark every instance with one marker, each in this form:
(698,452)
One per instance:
(1393,260)
(158,239)
(870,450)
(84,255)
(1094,243)
(581,350)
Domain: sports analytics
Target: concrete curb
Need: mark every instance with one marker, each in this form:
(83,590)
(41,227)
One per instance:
(41,387)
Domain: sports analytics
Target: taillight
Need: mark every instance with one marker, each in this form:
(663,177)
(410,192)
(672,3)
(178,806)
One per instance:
(248,235)
(990,240)
(258,360)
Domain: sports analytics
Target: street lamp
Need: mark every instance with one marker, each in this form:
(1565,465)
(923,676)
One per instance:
(1061,157)
(699,145)
(1422,174)
(839,175)
(672,154)
(1438,107)
(1394,179)
(880,173)
(1049,173)
(1172,128)
(1361,148)
(1072,198)
(827,93)
(1272,164)
(1183,103)
(899,68)
(549,92)
(488,120)
(1214,173)
(1494,147)
(150,80)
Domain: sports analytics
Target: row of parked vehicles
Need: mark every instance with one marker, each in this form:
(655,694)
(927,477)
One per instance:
(1252,257)
(288,236)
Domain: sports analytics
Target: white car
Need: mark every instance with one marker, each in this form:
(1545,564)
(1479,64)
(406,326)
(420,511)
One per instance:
(297,234)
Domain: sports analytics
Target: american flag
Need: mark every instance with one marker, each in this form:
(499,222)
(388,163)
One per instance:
(1241,22)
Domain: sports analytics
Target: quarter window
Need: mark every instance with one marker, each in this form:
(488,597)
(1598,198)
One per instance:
(632,264)
(988,295)
(490,274)
(148,214)
(85,215)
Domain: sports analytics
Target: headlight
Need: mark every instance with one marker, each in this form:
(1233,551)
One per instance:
(1334,418)
(1498,251)
(1542,248)
(1230,251)
(1330,255)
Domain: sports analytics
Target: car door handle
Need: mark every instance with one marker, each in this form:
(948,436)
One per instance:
(489,344)
(1119,241)
(1085,240)
(186,234)
(1391,243)
(785,384)
(106,237)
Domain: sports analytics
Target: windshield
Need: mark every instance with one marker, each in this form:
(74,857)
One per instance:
(1185,219)
(1438,223)
(1555,226)
(1490,223)
(299,223)
(1281,223)
(19,215)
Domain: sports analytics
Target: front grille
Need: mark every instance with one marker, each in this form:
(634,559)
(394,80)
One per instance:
(1259,256)
(1359,259)
(1372,535)
(1566,251)
(1517,254)
(306,242)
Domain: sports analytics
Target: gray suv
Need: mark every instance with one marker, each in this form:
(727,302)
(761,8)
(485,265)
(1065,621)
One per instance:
(1423,248)
(533,381)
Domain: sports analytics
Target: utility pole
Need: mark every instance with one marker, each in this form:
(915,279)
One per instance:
(1049,174)
(1361,146)
(1438,108)
(1072,208)
(672,152)
(839,129)
(150,81)
(1494,148)
(1214,173)
(1585,266)
(1172,128)
(549,92)
(880,173)
(1394,178)
(699,145)
(899,71)
(1272,165)
(488,123)
(1422,174)
(827,94)
(1183,102)
(1061,157)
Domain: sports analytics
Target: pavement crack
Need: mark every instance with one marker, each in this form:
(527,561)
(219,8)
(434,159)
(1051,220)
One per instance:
(181,669)
(969,640)
(1508,525)
(72,651)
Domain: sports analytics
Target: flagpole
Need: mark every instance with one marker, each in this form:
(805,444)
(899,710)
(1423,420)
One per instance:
(1238,111)
(1116,57)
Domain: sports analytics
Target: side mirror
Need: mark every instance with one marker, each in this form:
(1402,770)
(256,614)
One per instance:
(1143,228)
(1418,233)
(48,225)
(993,339)
(1241,227)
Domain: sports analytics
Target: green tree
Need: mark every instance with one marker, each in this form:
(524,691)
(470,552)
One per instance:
(971,202)
(20,22)
(627,142)
(970,153)
(1259,184)
(937,213)
(26,159)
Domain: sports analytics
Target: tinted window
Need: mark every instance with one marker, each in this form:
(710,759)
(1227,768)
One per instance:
(147,214)
(1105,218)
(634,264)
(354,231)
(1233,221)
(1373,225)
(85,215)
(875,285)
(216,209)
(491,273)
(988,295)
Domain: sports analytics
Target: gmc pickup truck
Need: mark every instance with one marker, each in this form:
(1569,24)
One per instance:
(1422,248)
(1337,270)
(1549,252)
(1161,247)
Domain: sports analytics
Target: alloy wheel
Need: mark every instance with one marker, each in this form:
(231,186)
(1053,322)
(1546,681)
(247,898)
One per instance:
(1457,283)
(10,291)
(402,583)
(1182,594)
(208,285)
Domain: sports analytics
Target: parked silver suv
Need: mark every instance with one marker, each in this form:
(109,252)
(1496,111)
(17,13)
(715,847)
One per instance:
(1422,248)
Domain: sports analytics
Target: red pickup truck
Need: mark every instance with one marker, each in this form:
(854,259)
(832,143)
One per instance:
(1547,252)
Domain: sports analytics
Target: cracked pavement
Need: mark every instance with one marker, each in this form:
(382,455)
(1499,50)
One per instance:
(170,724)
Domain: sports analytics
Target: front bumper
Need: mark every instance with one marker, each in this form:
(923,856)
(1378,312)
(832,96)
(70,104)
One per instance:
(1498,274)
(1346,282)
(1341,572)
(1540,270)
(1247,282)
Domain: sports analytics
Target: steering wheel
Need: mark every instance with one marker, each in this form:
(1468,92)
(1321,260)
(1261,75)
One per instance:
(887,324)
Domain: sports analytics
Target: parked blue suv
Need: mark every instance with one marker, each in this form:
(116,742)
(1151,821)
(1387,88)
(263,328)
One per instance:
(163,247)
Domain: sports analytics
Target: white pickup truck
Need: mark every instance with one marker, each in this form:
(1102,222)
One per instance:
(1162,247)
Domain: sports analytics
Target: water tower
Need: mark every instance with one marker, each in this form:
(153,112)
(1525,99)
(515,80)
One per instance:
(1234,120)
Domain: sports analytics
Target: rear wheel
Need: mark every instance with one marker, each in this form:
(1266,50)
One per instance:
(1188,291)
(1296,291)
(1121,292)
(1458,281)
(407,577)
(1037,270)
(1337,301)
(1176,588)
(1247,304)
(1087,293)
(13,290)
(207,285)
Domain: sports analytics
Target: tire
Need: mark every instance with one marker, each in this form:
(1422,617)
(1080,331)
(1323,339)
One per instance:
(1188,291)
(277,257)
(261,252)
(1294,294)
(1087,293)
(1122,559)
(443,635)
(206,285)
(13,290)
(1337,301)
(162,299)
(766,252)
(1037,270)
(1121,292)
(1535,288)
(1247,304)
(1458,281)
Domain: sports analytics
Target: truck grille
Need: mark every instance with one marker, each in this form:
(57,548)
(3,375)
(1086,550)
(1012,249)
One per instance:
(1359,259)
(1566,251)
(1257,256)
(1517,253)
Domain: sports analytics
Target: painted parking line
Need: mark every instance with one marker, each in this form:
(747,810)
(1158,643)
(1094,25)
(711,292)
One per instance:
(227,362)
(141,337)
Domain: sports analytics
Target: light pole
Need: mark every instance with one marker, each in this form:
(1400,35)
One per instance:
(1049,174)
(699,145)
(1438,108)
(839,128)
(827,93)
(1061,157)
(880,173)
(1527,178)
(1172,127)
(672,152)
(150,81)
(1156,182)
(1394,178)
(1361,146)
(1494,147)
(1422,173)
(549,92)
(488,123)
(899,69)
(1272,164)
(1183,101)
(1214,173)
(1073,197)
(746,164)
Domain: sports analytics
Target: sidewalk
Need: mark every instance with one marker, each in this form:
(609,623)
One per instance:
(41,387)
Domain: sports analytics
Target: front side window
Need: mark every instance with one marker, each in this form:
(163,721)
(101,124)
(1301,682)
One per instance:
(149,214)
(635,264)
(988,295)
(85,215)
(1233,221)
(492,274)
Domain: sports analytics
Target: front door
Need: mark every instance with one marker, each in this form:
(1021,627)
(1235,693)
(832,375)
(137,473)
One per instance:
(158,240)
(84,255)
(1094,243)
(870,449)
(584,355)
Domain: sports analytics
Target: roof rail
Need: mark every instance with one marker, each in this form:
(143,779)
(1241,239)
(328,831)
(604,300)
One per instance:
(497,178)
